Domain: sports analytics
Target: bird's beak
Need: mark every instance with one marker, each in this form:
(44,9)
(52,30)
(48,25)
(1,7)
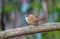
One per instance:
(26,17)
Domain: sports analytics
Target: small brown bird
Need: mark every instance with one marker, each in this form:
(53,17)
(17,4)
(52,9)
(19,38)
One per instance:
(33,20)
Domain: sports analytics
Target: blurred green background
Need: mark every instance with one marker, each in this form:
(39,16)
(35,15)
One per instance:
(12,14)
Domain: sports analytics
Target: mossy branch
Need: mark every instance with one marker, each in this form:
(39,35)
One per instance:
(30,30)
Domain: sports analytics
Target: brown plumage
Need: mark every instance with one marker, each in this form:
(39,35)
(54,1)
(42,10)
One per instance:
(33,20)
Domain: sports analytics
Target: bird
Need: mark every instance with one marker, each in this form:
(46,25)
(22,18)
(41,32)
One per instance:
(33,20)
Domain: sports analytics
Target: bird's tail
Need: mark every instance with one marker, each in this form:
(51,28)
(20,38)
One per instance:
(42,18)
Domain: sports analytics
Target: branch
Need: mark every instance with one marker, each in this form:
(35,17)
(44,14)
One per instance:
(30,30)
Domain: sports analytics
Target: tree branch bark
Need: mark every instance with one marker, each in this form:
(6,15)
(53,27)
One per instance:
(30,30)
